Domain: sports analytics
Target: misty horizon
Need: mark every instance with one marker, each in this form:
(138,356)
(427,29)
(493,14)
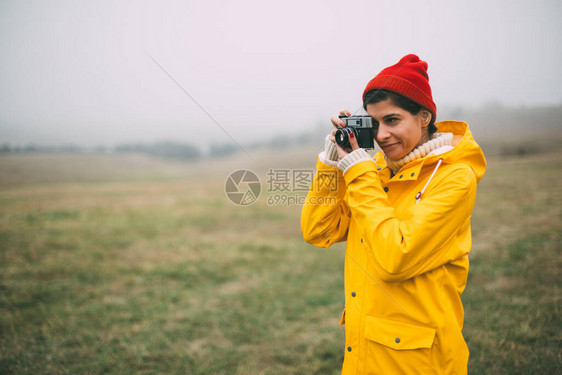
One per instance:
(108,73)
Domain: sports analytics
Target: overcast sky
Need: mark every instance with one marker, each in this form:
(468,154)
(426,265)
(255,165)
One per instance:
(87,72)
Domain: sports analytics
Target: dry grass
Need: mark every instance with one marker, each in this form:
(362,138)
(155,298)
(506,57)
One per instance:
(114,269)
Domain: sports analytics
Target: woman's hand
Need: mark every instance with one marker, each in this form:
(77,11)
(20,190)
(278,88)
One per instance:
(339,123)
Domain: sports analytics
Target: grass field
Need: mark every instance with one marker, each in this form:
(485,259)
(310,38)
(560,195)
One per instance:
(120,265)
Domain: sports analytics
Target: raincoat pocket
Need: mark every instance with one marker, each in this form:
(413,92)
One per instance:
(398,346)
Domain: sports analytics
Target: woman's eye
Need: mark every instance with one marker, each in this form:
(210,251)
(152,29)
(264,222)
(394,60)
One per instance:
(392,120)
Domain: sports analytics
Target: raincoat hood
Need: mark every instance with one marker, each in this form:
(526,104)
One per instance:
(465,150)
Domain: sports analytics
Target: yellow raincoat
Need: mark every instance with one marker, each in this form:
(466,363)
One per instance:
(406,261)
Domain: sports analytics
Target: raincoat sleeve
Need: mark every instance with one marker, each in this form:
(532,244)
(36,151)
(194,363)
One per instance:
(325,215)
(426,236)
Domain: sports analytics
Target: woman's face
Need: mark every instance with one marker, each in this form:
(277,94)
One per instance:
(397,131)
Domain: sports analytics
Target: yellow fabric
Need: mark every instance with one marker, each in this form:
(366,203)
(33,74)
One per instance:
(406,263)
(398,335)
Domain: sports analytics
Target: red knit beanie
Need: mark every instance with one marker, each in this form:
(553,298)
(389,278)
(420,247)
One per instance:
(408,78)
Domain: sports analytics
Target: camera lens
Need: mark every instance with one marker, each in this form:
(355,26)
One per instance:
(342,137)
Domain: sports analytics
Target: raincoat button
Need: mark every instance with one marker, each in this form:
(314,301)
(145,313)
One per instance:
(378,168)
(349,348)
(412,175)
(386,190)
(397,340)
(353,294)
(361,240)
(401,176)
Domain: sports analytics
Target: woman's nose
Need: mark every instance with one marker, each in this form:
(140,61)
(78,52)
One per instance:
(382,133)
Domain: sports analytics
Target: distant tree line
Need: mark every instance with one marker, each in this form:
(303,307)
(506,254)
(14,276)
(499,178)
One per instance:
(166,150)
(7,148)
(172,150)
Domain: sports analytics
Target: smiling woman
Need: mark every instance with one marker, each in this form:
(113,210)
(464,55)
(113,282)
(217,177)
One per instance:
(406,218)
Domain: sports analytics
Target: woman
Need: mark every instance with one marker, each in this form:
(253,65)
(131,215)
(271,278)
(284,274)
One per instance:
(405,215)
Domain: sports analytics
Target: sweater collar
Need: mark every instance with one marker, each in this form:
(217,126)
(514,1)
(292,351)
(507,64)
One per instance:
(439,140)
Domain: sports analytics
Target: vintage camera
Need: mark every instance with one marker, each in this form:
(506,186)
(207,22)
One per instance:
(361,127)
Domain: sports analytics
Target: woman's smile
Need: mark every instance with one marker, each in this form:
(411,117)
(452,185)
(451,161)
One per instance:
(389,146)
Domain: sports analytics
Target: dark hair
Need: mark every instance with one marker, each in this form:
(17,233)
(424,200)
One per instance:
(378,95)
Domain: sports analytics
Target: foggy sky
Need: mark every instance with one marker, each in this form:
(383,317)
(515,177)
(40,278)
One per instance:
(82,72)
